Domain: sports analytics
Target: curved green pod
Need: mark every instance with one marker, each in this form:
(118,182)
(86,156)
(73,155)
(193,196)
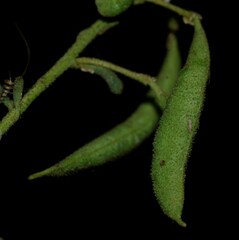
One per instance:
(111,78)
(178,126)
(112,8)
(126,136)
(113,144)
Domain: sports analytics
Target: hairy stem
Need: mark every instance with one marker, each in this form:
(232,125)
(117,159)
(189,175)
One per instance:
(140,77)
(187,15)
(83,39)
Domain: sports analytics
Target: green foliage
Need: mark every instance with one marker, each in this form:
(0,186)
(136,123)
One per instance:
(176,96)
(126,136)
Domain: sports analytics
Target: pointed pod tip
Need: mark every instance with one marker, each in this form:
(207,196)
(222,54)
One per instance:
(31,177)
(181,222)
(37,175)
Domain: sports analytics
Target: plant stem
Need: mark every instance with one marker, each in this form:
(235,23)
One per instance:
(84,38)
(140,77)
(188,15)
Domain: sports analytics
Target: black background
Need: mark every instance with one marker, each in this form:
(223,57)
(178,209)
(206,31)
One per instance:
(115,200)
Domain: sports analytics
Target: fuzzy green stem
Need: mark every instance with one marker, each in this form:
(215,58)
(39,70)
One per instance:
(140,77)
(84,38)
(187,15)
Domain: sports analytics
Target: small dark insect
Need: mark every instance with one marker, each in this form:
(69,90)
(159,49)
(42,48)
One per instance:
(9,83)
(162,163)
(190,125)
(7,88)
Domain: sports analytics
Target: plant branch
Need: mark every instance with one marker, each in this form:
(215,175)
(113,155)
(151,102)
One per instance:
(84,38)
(140,77)
(187,15)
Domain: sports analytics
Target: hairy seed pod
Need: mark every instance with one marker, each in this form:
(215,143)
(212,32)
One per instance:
(113,144)
(178,126)
(126,136)
(112,8)
(18,90)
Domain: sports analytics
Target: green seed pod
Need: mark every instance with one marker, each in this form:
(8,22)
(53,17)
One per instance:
(170,68)
(113,144)
(17,90)
(111,78)
(126,136)
(112,8)
(178,126)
